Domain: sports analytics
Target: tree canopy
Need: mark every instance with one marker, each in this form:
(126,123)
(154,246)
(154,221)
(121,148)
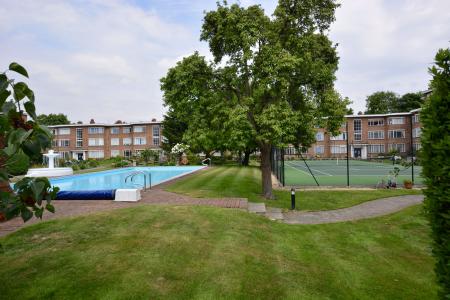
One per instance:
(53,119)
(271,81)
(389,102)
(435,154)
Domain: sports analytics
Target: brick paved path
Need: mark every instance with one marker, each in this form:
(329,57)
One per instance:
(364,210)
(67,208)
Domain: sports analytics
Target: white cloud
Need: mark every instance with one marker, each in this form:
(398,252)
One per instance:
(103,59)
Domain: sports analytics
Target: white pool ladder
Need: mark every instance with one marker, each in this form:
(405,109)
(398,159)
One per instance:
(204,162)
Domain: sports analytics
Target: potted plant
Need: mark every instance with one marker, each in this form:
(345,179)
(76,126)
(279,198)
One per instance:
(407,184)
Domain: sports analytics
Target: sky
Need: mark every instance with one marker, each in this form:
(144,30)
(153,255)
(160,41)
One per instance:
(103,59)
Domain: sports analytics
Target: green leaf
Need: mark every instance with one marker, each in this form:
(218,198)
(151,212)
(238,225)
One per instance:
(18,69)
(37,188)
(7,106)
(26,214)
(3,82)
(50,208)
(30,109)
(3,96)
(19,90)
(39,212)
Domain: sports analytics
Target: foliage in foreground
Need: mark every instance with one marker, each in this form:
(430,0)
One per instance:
(20,140)
(435,155)
(160,252)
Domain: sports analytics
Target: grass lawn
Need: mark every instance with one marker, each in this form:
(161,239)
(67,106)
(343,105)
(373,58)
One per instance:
(152,252)
(246,182)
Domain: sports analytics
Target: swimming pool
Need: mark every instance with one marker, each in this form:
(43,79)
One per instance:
(115,179)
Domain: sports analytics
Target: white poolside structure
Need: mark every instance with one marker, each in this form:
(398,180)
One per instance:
(51,171)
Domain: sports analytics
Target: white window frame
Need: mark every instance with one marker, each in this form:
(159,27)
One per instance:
(96,154)
(115,153)
(375,122)
(392,135)
(127,141)
(375,148)
(63,131)
(338,149)
(340,137)
(64,143)
(416,132)
(396,120)
(126,129)
(94,142)
(96,130)
(115,130)
(319,149)
(396,146)
(140,140)
(115,142)
(320,136)
(79,138)
(375,135)
(138,129)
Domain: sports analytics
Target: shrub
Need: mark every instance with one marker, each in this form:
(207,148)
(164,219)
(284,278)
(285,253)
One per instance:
(435,156)
(75,167)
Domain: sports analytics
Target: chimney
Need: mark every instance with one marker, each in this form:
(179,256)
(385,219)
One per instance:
(153,120)
(92,121)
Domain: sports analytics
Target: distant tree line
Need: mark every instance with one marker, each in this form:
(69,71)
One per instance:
(53,119)
(384,102)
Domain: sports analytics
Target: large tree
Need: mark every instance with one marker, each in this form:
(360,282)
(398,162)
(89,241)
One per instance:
(271,83)
(53,119)
(409,101)
(381,103)
(283,69)
(435,154)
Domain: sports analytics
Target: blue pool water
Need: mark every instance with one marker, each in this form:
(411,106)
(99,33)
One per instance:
(115,179)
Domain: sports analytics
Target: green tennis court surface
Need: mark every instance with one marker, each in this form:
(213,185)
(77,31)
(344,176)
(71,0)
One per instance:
(334,172)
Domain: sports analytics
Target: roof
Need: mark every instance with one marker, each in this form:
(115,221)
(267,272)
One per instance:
(385,115)
(105,124)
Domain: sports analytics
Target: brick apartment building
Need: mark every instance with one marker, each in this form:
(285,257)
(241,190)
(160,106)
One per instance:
(369,136)
(84,141)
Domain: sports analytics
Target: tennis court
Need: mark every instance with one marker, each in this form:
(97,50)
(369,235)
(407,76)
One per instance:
(333,172)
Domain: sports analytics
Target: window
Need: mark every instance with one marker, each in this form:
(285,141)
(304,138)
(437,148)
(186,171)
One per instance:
(156,141)
(375,148)
(375,135)
(140,141)
(126,141)
(398,147)
(115,142)
(63,131)
(115,153)
(126,130)
(64,143)
(319,136)
(416,132)
(357,130)
(127,153)
(64,155)
(95,142)
(376,122)
(138,152)
(115,130)
(416,118)
(156,130)
(54,131)
(290,151)
(95,130)
(319,149)
(338,149)
(79,136)
(397,134)
(96,154)
(417,146)
(139,129)
(396,121)
(340,137)
(54,143)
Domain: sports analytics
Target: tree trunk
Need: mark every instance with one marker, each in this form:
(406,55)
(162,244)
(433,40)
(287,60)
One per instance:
(266,171)
(246,159)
